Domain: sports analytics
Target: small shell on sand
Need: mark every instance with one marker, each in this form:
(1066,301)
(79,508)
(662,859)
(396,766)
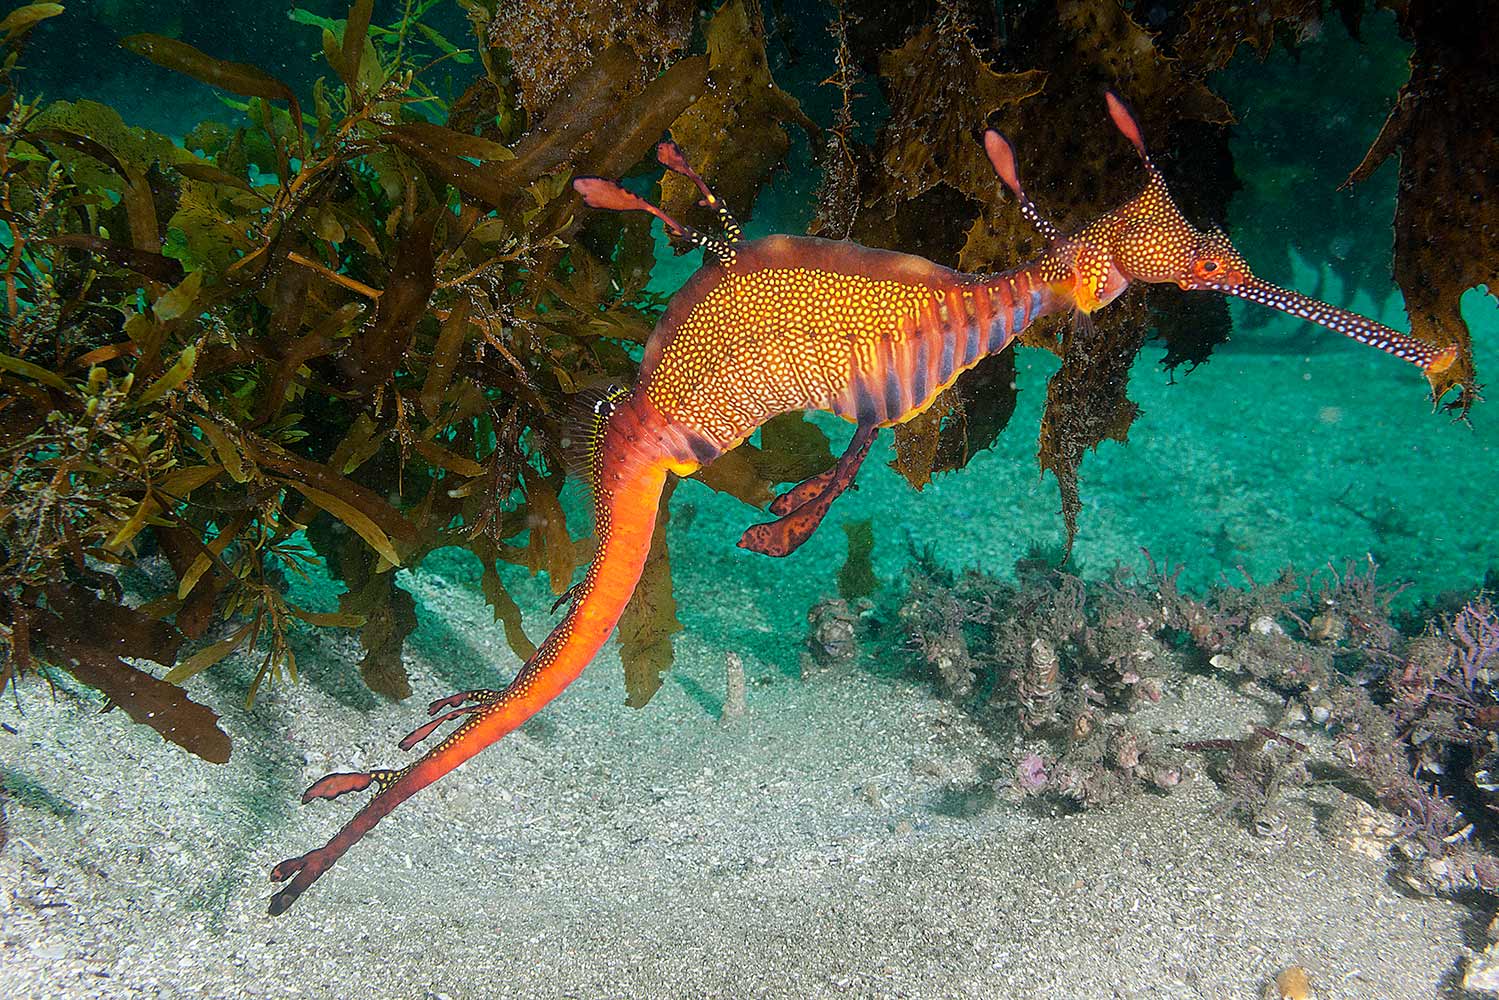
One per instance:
(1292,984)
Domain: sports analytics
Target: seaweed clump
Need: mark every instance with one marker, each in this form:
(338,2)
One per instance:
(1406,720)
(342,327)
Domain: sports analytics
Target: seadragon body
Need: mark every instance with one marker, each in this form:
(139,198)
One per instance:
(790,323)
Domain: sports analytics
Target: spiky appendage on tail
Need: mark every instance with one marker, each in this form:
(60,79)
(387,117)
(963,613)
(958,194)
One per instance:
(628,478)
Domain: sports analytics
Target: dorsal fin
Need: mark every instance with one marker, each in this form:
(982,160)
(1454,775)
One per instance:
(1128,124)
(589,410)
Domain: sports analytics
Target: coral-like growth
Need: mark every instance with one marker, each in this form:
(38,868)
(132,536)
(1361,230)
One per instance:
(832,636)
(1476,628)
(934,616)
(1106,764)
(1253,771)
(1410,721)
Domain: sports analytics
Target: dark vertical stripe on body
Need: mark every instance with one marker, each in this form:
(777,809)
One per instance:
(967,303)
(1031,291)
(971,343)
(890,378)
(946,362)
(961,332)
(998,302)
(1021,316)
(866,409)
(997,334)
(918,349)
(703,450)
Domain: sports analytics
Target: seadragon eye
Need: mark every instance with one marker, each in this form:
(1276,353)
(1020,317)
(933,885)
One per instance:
(1207,267)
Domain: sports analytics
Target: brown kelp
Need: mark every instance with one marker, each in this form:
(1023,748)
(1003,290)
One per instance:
(365,319)
(1445,125)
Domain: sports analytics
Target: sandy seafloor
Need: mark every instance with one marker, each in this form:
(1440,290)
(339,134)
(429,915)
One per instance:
(850,836)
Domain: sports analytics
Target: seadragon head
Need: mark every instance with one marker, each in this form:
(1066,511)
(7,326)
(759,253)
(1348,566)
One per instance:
(1148,239)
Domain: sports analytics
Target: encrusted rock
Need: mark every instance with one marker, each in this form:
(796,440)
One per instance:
(1482,972)
(832,635)
(1265,625)
(1358,827)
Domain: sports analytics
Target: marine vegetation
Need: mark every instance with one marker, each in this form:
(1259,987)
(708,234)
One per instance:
(1407,718)
(355,321)
(346,325)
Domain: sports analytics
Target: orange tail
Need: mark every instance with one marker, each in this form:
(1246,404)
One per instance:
(628,489)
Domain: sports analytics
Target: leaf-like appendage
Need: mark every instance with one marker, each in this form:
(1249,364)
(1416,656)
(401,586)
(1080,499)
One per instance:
(650,619)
